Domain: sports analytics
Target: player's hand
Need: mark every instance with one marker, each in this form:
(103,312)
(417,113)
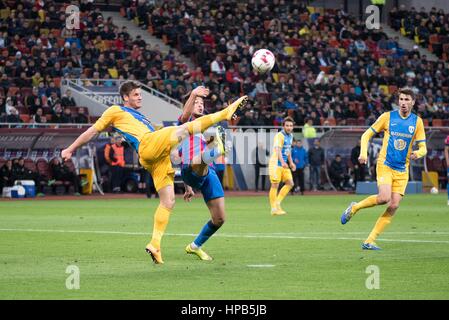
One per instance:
(66,154)
(413,156)
(188,195)
(293,167)
(362,160)
(201,91)
(284,165)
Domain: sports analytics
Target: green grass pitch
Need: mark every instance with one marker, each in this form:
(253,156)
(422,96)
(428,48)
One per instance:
(306,254)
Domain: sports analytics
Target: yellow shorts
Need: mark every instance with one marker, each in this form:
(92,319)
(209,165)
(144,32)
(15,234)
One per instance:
(398,180)
(154,155)
(278,174)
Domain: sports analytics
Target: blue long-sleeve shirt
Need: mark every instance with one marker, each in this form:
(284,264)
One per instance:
(300,157)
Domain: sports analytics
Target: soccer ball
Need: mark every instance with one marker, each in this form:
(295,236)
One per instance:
(434,190)
(263,61)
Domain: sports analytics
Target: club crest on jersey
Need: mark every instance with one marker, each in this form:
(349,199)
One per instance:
(399,144)
(411,129)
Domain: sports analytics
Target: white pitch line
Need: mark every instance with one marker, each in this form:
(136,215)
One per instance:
(260,265)
(223,235)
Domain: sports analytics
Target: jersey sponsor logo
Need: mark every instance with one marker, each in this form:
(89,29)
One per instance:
(411,129)
(400,134)
(400,144)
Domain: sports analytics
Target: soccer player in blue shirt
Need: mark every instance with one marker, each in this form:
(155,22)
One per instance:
(401,129)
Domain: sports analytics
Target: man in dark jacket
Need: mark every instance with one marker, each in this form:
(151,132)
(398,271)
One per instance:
(6,175)
(20,172)
(338,173)
(301,159)
(316,161)
(63,173)
(359,169)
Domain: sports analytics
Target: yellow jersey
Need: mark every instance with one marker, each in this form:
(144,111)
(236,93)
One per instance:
(399,135)
(130,123)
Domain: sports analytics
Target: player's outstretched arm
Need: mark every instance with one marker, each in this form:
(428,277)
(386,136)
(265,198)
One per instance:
(366,137)
(189,105)
(84,138)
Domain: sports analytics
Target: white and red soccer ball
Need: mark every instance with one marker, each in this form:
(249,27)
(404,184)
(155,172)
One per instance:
(263,61)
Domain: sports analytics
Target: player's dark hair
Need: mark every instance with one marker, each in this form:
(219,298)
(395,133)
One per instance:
(408,92)
(288,119)
(127,87)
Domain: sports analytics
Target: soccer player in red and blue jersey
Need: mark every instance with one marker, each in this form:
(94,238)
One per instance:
(198,173)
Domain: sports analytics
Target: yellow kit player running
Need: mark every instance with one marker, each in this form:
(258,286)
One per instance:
(279,169)
(401,129)
(153,147)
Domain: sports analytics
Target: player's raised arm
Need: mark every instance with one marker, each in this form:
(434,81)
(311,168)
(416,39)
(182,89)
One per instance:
(101,124)
(190,104)
(377,127)
(84,138)
(421,140)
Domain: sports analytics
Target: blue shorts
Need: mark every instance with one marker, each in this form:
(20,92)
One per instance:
(209,184)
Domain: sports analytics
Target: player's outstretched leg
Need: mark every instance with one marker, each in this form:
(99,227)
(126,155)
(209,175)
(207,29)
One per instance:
(204,122)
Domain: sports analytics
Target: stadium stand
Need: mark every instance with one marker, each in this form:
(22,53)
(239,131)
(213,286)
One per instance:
(428,29)
(328,61)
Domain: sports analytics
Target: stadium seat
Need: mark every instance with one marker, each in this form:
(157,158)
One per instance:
(425,122)
(437,123)
(25,118)
(12,91)
(332,121)
(392,89)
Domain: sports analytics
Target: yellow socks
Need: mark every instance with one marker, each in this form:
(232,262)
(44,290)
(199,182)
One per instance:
(380,226)
(371,201)
(204,122)
(283,193)
(273,196)
(161,218)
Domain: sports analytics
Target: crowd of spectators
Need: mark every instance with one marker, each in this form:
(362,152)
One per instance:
(38,51)
(427,28)
(329,65)
(330,69)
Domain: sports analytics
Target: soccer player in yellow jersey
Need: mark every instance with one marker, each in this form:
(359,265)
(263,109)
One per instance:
(401,129)
(153,147)
(279,166)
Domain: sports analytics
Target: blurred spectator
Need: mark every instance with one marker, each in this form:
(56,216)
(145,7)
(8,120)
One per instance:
(57,114)
(20,172)
(309,131)
(316,161)
(301,159)
(38,116)
(114,154)
(67,99)
(6,175)
(261,155)
(338,173)
(61,172)
(81,116)
(359,169)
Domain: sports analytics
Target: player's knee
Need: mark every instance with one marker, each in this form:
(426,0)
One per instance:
(275,185)
(383,199)
(168,203)
(218,221)
(393,207)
